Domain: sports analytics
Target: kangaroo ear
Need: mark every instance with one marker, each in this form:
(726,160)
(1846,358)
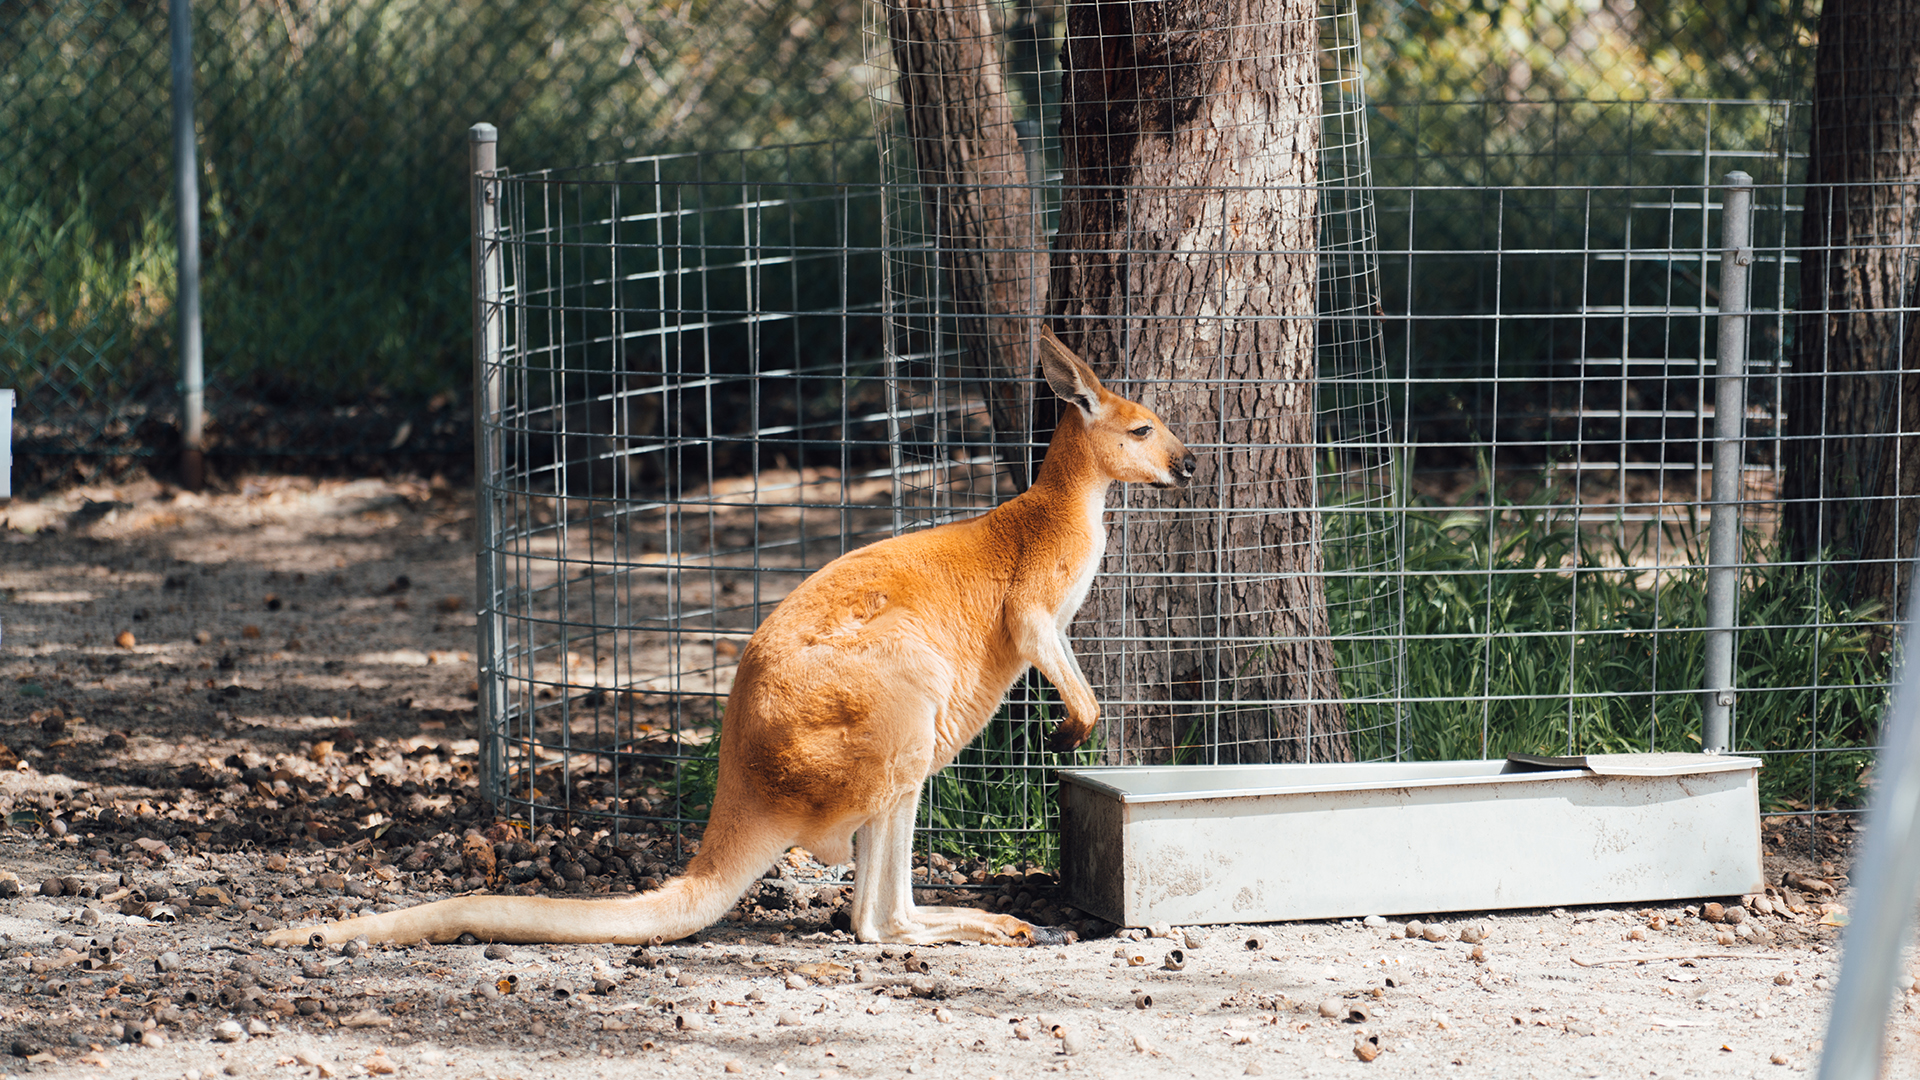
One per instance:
(1071,378)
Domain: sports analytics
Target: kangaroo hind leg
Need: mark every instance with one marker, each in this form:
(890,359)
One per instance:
(883,907)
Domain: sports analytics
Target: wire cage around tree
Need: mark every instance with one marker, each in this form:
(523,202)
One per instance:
(1199,635)
(703,377)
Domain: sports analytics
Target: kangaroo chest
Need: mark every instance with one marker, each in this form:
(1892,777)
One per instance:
(1081,581)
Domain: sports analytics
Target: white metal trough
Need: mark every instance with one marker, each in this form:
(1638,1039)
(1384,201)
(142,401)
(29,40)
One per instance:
(1263,843)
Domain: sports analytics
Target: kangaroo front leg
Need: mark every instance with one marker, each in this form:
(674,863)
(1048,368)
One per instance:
(1044,645)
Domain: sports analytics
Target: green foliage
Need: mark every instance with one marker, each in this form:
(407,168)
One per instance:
(77,307)
(1529,633)
(996,801)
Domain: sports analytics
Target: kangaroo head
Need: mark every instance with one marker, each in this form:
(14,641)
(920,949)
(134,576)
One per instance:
(1127,441)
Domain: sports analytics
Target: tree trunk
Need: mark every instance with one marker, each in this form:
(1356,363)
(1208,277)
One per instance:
(980,203)
(1857,268)
(1185,262)
(1886,555)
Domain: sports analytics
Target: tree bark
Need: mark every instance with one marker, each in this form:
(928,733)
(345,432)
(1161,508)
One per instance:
(980,202)
(1848,414)
(1887,549)
(1185,263)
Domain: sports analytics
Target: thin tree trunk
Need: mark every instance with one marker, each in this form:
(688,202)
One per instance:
(1185,263)
(979,200)
(1856,273)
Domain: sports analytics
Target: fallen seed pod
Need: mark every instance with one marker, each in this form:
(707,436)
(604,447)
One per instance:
(1435,933)
(690,1022)
(561,991)
(1176,960)
(603,987)
(1143,1001)
(1473,933)
(1357,1013)
(1367,1047)
(917,965)
(167,961)
(316,940)
(1071,1042)
(1256,942)
(1713,913)
(1136,959)
(1332,1007)
(1195,939)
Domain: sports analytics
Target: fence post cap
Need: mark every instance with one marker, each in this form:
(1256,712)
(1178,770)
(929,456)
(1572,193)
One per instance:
(483,132)
(1738,179)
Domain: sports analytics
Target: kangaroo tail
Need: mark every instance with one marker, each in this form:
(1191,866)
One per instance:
(732,854)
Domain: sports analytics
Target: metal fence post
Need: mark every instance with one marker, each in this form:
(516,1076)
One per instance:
(6,444)
(1729,424)
(489,343)
(187,302)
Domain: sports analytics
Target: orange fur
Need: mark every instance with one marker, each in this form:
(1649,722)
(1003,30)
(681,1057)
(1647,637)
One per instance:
(868,678)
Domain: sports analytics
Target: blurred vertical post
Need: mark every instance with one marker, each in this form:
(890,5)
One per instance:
(1886,878)
(1729,454)
(187,199)
(489,342)
(6,444)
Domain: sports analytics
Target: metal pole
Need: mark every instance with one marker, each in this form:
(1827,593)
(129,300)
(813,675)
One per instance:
(1886,878)
(6,444)
(489,344)
(1729,423)
(187,205)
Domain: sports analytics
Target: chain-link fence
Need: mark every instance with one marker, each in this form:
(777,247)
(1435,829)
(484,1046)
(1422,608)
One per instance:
(330,135)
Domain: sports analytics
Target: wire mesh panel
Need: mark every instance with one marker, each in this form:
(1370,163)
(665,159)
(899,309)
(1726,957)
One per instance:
(688,416)
(1018,195)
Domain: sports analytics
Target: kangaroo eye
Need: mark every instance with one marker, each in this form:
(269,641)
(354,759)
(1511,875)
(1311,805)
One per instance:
(1142,431)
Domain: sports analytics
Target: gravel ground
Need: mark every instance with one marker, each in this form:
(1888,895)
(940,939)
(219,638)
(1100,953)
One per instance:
(223,713)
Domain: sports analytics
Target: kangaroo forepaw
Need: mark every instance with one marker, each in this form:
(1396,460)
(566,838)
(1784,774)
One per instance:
(1067,737)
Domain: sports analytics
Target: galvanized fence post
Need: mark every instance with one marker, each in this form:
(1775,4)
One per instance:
(1729,423)
(186,183)
(489,345)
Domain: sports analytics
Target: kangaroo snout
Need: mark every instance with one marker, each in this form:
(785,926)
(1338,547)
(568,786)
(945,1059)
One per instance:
(1182,470)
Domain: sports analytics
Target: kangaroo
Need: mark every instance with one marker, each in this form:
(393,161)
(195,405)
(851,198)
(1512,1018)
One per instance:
(867,679)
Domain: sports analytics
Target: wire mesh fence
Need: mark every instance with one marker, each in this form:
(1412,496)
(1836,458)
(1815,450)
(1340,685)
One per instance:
(335,282)
(335,290)
(722,371)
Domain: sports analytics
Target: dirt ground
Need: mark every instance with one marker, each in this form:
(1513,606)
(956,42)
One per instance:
(222,713)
